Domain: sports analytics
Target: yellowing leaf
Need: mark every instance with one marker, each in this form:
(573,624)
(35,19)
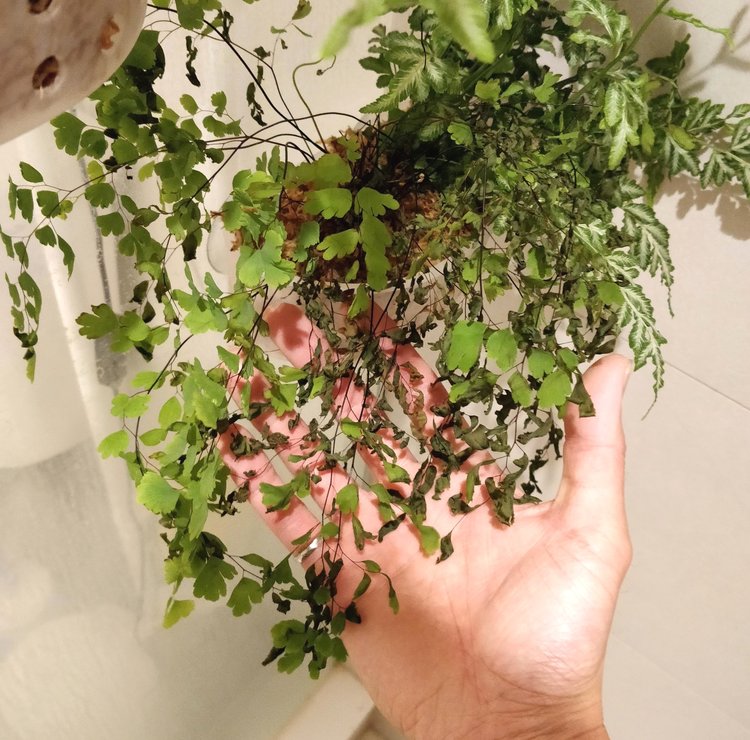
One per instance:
(540,363)
(375,237)
(465,345)
(339,245)
(327,172)
(246,593)
(502,348)
(429,537)
(488,91)
(170,412)
(361,302)
(395,473)
(461,133)
(114,444)
(177,610)
(374,203)
(329,202)
(555,389)
(347,499)
(156,494)
(682,137)
(520,389)
(264,266)
(130,407)
(153,437)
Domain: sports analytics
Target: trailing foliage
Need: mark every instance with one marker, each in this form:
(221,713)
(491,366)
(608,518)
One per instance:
(485,180)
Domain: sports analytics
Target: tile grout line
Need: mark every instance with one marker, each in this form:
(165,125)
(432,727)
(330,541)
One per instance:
(686,687)
(706,385)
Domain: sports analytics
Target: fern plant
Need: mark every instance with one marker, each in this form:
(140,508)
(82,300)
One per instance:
(484,208)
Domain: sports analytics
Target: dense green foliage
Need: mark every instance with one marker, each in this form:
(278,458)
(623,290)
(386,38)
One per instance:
(480,178)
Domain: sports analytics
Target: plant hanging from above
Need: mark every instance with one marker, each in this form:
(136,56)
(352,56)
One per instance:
(479,178)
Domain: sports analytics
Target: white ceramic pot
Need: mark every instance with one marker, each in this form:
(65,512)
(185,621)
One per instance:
(53,53)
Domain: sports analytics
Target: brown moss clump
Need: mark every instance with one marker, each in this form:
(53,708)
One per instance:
(374,168)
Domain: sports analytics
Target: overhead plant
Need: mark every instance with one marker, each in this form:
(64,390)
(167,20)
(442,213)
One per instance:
(493,206)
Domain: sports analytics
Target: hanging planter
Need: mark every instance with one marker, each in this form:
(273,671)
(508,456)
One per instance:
(53,53)
(478,179)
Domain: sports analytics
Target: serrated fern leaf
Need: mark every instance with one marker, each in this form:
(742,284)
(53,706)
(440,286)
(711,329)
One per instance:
(403,49)
(744,177)
(624,112)
(433,130)
(628,190)
(678,158)
(719,169)
(731,160)
(408,82)
(637,312)
(418,74)
(504,12)
(620,264)
(650,241)
(616,25)
(592,235)
(615,264)
(741,139)
(702,117)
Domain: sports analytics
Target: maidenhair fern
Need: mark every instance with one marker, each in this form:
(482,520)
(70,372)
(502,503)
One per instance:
(483,208)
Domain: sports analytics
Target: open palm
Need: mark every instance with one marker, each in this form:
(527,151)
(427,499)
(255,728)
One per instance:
(507,637)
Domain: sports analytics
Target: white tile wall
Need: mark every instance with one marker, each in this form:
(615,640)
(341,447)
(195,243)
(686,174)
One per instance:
(645,702)
(709,335)
(686,601)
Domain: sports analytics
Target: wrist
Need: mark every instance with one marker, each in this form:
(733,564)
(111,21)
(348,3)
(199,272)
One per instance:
(581,719)
(563,727)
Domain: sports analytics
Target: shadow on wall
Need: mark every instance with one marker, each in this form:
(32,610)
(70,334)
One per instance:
(730,204)
(730,58)
(662,35)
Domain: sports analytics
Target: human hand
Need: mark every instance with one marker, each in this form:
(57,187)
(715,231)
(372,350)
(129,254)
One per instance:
(506,638)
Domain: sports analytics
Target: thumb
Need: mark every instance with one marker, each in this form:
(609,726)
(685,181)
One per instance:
(594,452)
